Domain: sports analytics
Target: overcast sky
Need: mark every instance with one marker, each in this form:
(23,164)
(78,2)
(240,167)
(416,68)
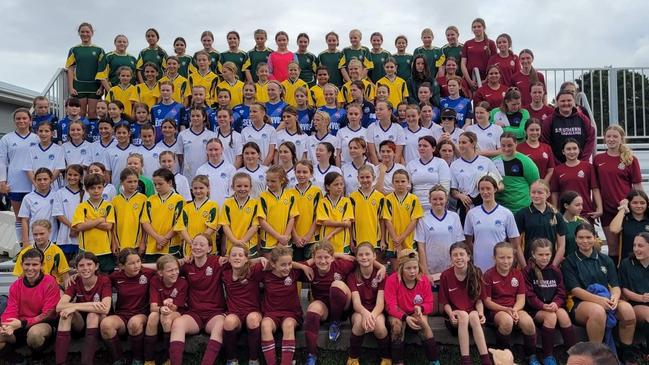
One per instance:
(562,33)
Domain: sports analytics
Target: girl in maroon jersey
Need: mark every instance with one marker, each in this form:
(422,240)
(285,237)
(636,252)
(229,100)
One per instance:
(476,53)
(368,300)
(504,296)
(167,295)
(505,59)
(537,105)
(241,279)
(546,297)
(451,69)
(536,150)
(205,301)
(527,76)
(132,285)
(281,304)
(493,91)
(81,307)
(459,295)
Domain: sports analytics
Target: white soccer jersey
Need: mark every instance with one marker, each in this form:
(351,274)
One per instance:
(194,150)
(14,150)
(376,134)
(315,141)
(342,142)
(36,206)
(151,158)
(350,174)
(488,138)
(487,229)
(175,147)
(182,187)
(108,194)
(454,135)
(263,137)
(299,140)
(116,157)
(424,176)
(319,174)
(292,180)
(232,145)
(52,158)
(387,180)
(80,154)
(258,177)
(65,203)
(220,177)
(465,174)
(411,138)
(100,152)
(437,234)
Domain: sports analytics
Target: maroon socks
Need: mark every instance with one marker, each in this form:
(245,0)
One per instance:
(311,328)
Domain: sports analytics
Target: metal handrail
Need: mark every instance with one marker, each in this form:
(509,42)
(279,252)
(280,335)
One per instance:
(56,92)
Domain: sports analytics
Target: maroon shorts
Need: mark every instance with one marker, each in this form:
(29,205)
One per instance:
(125,317)
(202,318)
(279,317)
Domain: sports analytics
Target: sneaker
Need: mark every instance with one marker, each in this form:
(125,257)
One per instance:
(550,360)
(334,331)
(533,360)
(311,359)
(386,361)
(352,361)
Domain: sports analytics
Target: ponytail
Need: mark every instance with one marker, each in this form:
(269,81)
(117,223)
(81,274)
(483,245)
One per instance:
(536,244)
(626,155)
(534,77)
(473,273)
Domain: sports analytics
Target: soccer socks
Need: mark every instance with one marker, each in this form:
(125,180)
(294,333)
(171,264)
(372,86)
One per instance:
(430,347)
(503,342)
(230,344)
(62,346)
(288,350)
(90,346)
(311,328)
(337,301)
(384,347)
(547,341)
(211,352)
(485,360)
(137,346)
(149,347)
(529,345)
(254,343)
(115,348)
(166,337)
(355,343)
(397,351)
(465,360)
(176,349)
(268,348)
(568,334)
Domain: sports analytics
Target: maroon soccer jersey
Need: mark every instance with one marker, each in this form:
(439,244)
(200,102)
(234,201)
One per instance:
(580,178)
(205,289)
(454,292)
(508,66)
(242,295)
(132,293)
(503,289)
(541,155)
(616,179)
(443,87)
(280,294)
(493,97)
(159,292)
(321,283)
(524,85)
(476,55)
(544,114)
(79,294)
(367,289)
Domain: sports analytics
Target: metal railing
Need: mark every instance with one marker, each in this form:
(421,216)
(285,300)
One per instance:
(56,92)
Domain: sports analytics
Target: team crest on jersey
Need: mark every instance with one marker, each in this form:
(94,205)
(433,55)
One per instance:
(51,157)
(248,210)
(489,134)
(514,283)
(209,271)
(512,63)
(450,228)
(375,283)
(206,214)
(288,281)
(621,166)
(48,257)
(337,276)
(309,197)
(581,174)
(95,298)
(498,223)
(174,293)
(373,203)
(94,53)
(545,155)
(285,202)
(603,269)
(102,211)
(143,279)
(136,206)
(341,209)
(264,135)
(298,143)
(170,206)
(223,175)
(480,168)
(516,169)
(418,299)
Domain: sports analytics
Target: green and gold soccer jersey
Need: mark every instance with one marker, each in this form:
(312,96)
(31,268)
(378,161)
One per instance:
(434,57)
(87,61)
(362,54)
(215,62)
(378,59)
(238,58)
(156,55)
(112,63)
(404,63)
(308,65)
(185,65)
(331,60)
(255,57)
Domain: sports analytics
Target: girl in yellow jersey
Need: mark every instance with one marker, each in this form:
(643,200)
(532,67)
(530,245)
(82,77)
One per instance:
(148,92)
(292,83)
(278,211)
(129,207)
(307,196)
(231,82)
(238,215)
(335,214)
(125,91)
(262,82)
(368,206)
(204,76)
(162,218)
(401,212)
(200,215)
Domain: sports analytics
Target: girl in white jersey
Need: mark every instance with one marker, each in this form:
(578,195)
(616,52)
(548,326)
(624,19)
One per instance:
(45,154)
(489,223)
(106,140)
(321,133)
(77,150)
(66,200)
(193,141)
(488,134)
(149,150)
(325,163)
(262,133)
(169,142)
(231,139)
(357,148)
(292,132)
(117,155)
(287,158)
(218,171)
(354,129)
(412,133)
(168,161)
(385,129)
(387,167)
(427,171)
(253,167)
(38,205)
(109,189)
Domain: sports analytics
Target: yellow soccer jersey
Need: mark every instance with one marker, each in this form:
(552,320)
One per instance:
(240,219)
(128,212)
(370,91)
(339,212)
(362,54)
(401,213)
(261,93)
(181,88)
(289,90)
(147,95)
(54,262)
(277,211)
(367,216)
(164,216)
(199,218)
(125,95)
(317,99)
(307,205)
(236,92)
(398,89)
(208,81)
(94,240)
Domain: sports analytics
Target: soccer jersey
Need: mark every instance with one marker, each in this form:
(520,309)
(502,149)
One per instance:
(307,204)
(112,62)
(524,84)
(164,215)
(65,203)
(80,154)
(281,294)
(207,80)
(350,175)
(337,118)
(289,90)
(434,56)
(239,58)
(398,89)
(54,261)
(425,175)
(304,118)
(155,55)
(94,240)
(493,97)
(387,179)
(151,158)
(378,59)
(185,65)
(362,54)
(301,141)
(321,283)
(616,178)
(51,157)
(377,134)
(128,212)
(367,215)
(507,66)
(274,112)
(206,294)
(455,292)
(220,177)
(261,93)
(580,178)
(124,94)
(437,234)
(243,294)
(177,292)
(255,57)
(462,107)
(235,89)
(174,147)
(308,65)
(319,174)
(401,300)
(514,121)
(313,141)
(181,88)
(79,294)
(633,276)
(477,55)
(548,289)
(13,149)
(146,94)
(32,303)
(37,206)
(132,292)
(411,140)
(488,138)
(455,52)
(345,94)
(61,130)
(215,62)
(240,218)
(240,117)
(277,211)
(367,288)
(316,96)
(544,114)
(404,64)
(199,218)
(503,289)
(182,186)
(100,151)
(87,61)
(339,211)
(518,172)
(38,119)
(263,137)
(258,176)
(193,149)
(488,228)
(536,224)
(343,137)
(115,157)
(278,64)
(541,155)
(401,212)
(232,145)
(331,60)
(466,174)
(162,111)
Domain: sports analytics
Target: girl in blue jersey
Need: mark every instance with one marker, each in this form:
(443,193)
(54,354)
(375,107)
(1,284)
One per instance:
(167,108)
(336,115)
(275,105)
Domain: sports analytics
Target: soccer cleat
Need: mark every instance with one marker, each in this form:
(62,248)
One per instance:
(334,331)
(311,359)
(533,360)
(352,361)
(386,361)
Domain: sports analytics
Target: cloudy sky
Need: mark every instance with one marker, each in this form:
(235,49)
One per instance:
(562,33)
